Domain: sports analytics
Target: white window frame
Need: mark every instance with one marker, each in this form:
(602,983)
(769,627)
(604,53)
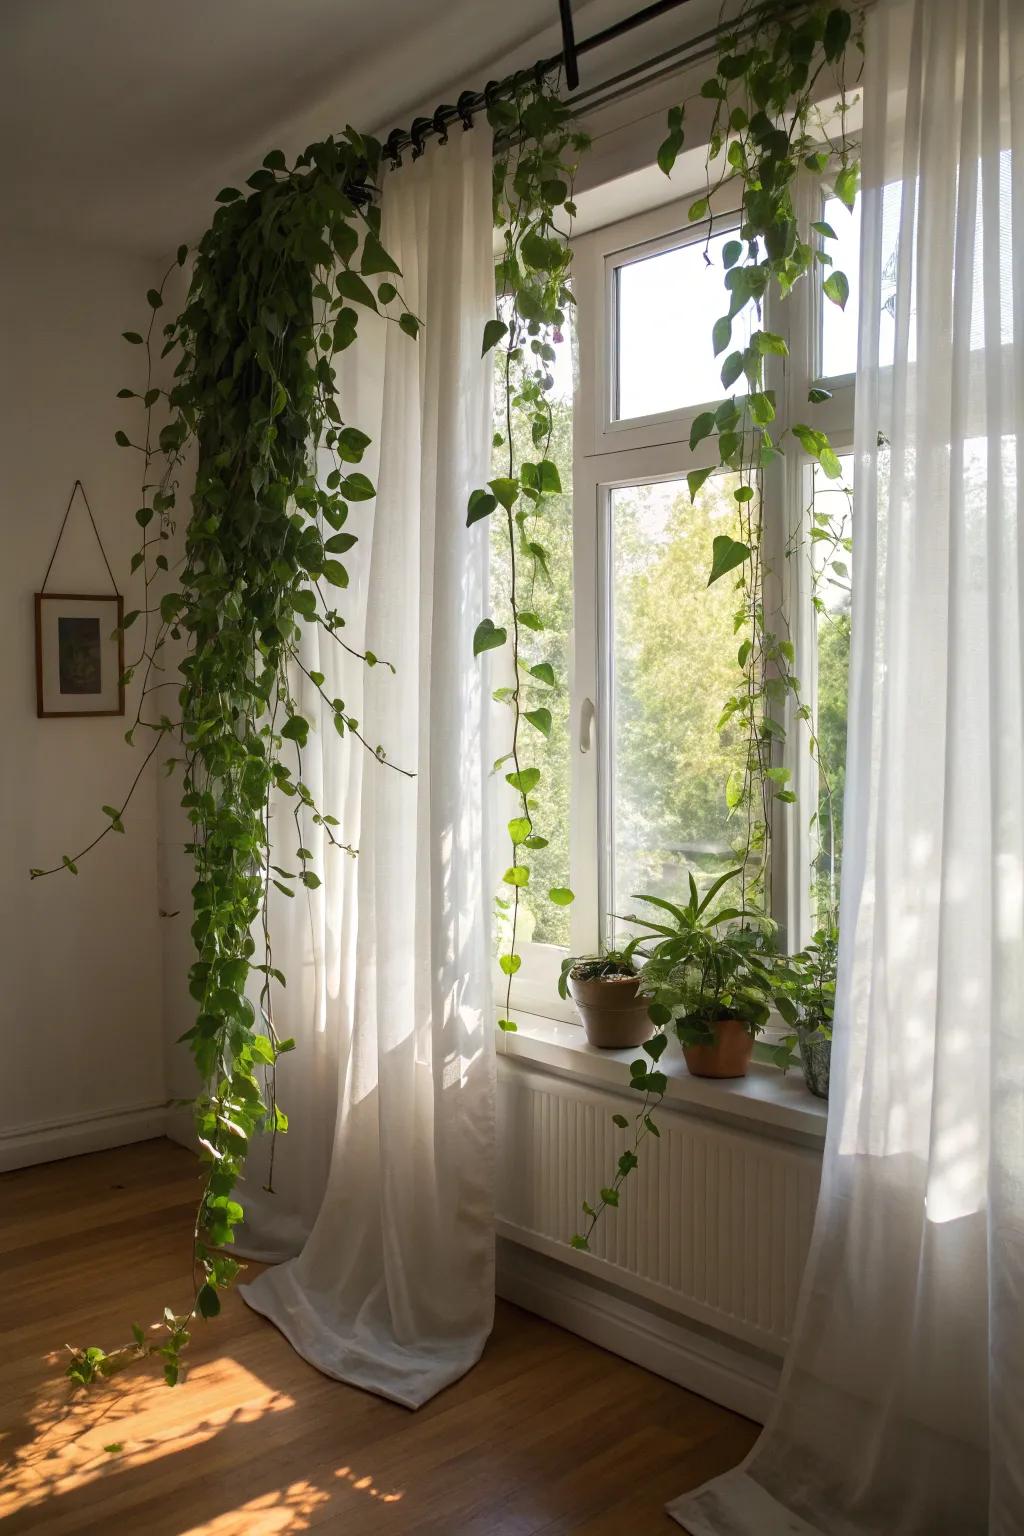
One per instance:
(610,452)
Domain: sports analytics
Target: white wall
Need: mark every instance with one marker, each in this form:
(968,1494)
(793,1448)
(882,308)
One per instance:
(81,1049)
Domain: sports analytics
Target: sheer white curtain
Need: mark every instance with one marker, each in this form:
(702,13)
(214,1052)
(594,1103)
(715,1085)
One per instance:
(388,963)
(902,1406)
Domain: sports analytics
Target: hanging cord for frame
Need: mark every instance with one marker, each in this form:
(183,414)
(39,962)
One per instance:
(78,486)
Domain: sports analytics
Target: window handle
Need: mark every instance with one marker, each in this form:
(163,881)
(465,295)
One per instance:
(587,713)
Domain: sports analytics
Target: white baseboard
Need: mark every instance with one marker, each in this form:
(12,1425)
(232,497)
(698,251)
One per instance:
(726,1372)
(179,1126)
(47,1140)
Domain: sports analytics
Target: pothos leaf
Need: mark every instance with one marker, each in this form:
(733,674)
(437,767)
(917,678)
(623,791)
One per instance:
(524,779)
(695,479)
(494,330)
(837,288)
(726,554)
(488,637)
(375,258)
(480,505)
(505,490)
(846,185)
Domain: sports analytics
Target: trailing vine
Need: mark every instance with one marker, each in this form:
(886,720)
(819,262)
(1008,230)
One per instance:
(277,286)
(767,131)
(533,181)
(276,291)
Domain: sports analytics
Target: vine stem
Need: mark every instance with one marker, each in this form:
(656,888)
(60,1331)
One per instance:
(407,773)
(778,80)
(37,874)
(529,186)
(251,398)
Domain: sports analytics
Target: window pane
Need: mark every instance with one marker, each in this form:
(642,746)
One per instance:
(549,596)
(672,664)
(839,326)
(666,305)
(831,539)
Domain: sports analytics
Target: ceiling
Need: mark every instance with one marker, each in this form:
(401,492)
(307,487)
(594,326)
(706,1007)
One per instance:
(123,118)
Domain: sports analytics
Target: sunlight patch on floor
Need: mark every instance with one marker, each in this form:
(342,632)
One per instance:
(287,1509)
(125,1425)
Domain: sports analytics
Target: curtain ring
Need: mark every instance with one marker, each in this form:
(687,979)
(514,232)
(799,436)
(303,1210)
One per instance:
(465,107)
(393,148)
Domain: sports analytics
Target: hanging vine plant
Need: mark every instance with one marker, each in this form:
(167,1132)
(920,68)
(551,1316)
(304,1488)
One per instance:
(767,131)
(278,284)
(533,209)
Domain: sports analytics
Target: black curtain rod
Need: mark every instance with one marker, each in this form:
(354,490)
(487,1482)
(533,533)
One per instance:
(472,102)
(694,51)
(628,24)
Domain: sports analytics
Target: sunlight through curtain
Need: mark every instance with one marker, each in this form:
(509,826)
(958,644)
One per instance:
(388,963)
(901,1409)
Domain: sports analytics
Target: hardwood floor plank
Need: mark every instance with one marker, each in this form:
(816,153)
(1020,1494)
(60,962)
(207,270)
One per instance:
(547,1435)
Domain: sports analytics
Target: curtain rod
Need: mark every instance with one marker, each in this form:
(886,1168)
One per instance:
(470,103)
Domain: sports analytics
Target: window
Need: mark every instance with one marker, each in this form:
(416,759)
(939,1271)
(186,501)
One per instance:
(831,534)
(839,326)
(670,659)
(634,796)
(549,594)
(661,307)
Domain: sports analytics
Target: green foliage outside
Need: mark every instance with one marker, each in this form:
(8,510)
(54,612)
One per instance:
(833,667)
(674,664)
(548,595)
(675,660)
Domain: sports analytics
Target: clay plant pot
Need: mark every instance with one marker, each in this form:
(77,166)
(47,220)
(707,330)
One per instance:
(614,1017)
(729,1056)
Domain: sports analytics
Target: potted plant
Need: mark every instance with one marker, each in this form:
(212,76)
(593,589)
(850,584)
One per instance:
(708,972)
(805,995)
(605,990)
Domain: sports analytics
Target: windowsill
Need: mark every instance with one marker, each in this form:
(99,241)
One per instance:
(772,1099)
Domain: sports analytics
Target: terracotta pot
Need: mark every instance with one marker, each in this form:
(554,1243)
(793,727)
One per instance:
(729,1056)
(614,1017)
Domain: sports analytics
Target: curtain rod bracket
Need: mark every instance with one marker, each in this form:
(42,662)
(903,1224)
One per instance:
(572,73)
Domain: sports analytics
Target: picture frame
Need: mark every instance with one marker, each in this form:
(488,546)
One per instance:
(79,654)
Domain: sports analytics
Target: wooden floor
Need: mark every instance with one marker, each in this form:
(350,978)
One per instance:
(547,1435)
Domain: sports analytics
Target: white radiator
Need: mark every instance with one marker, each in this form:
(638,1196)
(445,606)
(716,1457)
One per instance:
(714,1223)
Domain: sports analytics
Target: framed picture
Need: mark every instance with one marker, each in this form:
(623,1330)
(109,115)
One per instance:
(79,654)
